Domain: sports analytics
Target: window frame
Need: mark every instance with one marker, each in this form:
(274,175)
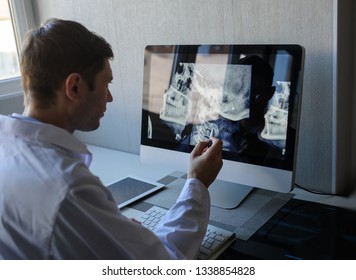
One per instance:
(22,19)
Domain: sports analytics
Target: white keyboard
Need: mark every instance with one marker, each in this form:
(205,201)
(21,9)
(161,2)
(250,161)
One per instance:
(216,239)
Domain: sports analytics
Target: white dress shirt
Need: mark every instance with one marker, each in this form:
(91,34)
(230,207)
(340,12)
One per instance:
(53,207)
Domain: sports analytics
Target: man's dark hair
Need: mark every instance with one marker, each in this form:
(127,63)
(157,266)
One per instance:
(56,49)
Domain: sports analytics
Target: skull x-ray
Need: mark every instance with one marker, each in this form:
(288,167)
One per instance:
(204,92)
(236,94)
(227,95)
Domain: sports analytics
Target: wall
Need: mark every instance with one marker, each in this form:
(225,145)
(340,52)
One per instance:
(130,25)
(13,104)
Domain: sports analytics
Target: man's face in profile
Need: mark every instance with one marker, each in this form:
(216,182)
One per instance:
(94,104)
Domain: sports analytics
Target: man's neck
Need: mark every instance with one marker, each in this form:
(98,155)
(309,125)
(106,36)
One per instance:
(48,115)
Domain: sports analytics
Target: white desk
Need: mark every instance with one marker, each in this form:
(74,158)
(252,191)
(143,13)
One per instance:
(110,165)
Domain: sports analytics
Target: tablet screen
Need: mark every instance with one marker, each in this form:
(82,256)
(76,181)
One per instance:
(130,189)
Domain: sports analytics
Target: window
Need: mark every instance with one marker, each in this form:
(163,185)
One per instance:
(9,66)
(16,17)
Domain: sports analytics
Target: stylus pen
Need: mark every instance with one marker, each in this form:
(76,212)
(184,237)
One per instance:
(210,136)
(211,133)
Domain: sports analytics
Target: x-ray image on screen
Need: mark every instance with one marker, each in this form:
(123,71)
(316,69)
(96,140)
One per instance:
(216,97)
(276,118)
(244,99)
(230,101)
(235,100)
(214,89)
(176,100)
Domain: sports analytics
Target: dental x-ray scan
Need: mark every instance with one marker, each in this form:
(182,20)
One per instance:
(245,98)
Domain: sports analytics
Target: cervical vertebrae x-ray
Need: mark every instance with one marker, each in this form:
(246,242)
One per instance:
(215,89)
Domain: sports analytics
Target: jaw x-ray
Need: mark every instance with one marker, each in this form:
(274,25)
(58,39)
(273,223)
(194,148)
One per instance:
(176,105)
(276,118)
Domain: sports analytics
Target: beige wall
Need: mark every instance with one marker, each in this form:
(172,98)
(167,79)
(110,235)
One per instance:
(130,25)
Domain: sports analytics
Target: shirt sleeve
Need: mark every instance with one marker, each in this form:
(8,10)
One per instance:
(90,226)
(183,227)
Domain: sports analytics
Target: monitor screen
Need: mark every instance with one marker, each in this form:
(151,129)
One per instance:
(246,95)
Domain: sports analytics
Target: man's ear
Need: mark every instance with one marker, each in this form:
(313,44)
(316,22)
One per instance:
(72,86)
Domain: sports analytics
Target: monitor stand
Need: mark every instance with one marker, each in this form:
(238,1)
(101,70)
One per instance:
(228,195)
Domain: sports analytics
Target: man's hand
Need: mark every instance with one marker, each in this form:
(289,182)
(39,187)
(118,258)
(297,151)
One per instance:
(206,161)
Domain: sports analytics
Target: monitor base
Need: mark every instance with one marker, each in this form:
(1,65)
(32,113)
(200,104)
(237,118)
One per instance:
(228,195)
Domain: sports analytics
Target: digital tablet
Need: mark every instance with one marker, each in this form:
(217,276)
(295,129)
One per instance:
(131,189)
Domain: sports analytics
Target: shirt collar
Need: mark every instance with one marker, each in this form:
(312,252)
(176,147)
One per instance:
(32,129)
(25,118)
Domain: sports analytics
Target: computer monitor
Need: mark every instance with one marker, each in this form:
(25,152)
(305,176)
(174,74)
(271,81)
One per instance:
(248,95)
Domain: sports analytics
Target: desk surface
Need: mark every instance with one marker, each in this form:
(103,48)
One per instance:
(112,165)
(309,226)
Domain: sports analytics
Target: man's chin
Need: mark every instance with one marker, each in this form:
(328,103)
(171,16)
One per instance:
(90,127)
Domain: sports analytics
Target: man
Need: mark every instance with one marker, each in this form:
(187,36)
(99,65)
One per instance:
(51,205)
